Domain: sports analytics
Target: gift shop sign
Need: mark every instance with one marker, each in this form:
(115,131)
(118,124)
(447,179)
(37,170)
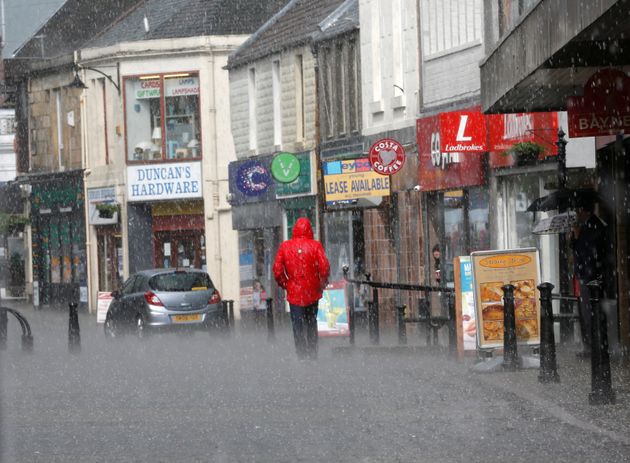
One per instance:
(180,86)
(604,109)
(166,181)
(387,156)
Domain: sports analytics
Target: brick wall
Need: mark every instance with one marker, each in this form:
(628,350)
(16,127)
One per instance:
(381,235)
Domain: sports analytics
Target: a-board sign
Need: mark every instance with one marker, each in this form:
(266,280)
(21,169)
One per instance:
(465,305)
(332,316)
(491,271)
(104,299)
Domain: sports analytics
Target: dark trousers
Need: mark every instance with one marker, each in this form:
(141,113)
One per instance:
(586,315)
(304,321)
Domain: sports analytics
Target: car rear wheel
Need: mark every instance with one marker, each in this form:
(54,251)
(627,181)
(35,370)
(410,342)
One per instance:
(141,327)
(110,327)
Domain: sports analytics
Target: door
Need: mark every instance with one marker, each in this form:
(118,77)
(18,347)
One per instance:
(182,249)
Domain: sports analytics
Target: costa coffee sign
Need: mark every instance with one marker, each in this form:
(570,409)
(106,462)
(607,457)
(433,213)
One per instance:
(387,156)
(463,132)
(604,109)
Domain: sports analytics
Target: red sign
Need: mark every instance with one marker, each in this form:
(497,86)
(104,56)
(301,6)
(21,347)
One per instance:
(387,156)
(605,107)
(441,170)
(505,130)
(463,132)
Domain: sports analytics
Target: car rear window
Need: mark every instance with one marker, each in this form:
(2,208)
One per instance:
(181,281)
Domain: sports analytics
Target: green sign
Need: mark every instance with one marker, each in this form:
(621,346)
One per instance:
(301,185)
(285,167)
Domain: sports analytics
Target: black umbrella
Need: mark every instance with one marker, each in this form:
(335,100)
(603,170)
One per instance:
(567,199)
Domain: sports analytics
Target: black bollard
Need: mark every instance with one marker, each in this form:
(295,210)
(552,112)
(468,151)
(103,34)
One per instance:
(271,334)
(74,334)
(510,353)
(548,367)
(452,325)
(424,314)
(601,384)
(351,313)
(373,318)
(402,328)
(4,321)
(231,314)
(225,318)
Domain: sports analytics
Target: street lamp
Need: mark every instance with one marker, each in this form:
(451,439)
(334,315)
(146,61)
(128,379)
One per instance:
(78,83)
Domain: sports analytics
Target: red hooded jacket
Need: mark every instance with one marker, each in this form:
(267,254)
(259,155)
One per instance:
(301,266)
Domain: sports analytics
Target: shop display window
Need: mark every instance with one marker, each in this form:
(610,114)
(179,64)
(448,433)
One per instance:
(162,117)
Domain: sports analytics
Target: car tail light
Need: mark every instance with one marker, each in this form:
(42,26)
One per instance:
(215,298)
(152,299)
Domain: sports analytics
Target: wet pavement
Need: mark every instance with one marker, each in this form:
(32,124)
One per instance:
(211,397)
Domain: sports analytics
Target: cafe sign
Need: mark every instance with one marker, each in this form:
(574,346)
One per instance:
(387,156)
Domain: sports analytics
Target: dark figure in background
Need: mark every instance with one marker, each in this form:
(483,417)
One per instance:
(588,242)
(436,263)
(302,269)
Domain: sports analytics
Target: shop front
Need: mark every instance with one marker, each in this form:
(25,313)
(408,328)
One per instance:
(452,177)
(104,216)
(58,230)
(165,216)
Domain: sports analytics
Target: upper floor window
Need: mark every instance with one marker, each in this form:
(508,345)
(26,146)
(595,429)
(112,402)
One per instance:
(162,117)
(448,25)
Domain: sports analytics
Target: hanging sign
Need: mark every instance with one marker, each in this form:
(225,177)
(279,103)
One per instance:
(387,156)
(604,109)
(253,178)
(491,271)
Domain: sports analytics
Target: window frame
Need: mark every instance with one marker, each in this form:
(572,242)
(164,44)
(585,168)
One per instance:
(162,77)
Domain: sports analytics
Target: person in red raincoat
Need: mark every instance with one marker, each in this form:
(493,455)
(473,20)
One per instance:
(302,269)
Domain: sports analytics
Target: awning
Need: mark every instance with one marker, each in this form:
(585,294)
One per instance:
(551,54)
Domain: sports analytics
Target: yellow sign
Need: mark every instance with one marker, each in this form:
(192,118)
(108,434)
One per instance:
(344,187)
(494,269)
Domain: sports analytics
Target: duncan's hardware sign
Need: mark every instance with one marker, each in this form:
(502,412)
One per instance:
(387,156)
(165,181)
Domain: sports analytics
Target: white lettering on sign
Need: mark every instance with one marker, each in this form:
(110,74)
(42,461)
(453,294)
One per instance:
(182,180)
(604,122)
(516,126)
(463,120)
(438,158)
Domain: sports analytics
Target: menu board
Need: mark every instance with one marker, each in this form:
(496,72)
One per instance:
(491,271)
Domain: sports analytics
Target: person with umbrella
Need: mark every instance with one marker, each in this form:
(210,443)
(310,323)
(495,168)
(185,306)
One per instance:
(588,239)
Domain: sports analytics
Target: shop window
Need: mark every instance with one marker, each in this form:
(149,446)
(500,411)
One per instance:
(162,117)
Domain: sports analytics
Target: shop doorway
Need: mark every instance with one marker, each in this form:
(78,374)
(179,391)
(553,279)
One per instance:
(110,259)
(181,249)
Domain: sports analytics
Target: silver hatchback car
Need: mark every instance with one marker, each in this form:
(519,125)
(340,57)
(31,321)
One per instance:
(156,299)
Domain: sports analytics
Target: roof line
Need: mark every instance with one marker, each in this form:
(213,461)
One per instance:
(139,4)
(270,22)
(38,30)
(335,15)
